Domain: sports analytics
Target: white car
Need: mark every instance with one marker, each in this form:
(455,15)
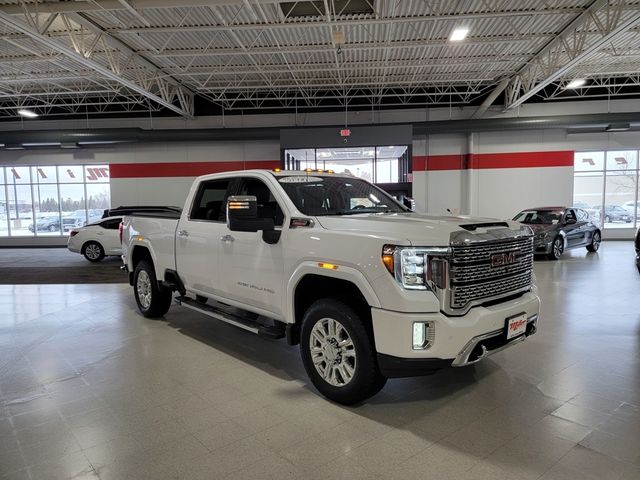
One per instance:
(97,240)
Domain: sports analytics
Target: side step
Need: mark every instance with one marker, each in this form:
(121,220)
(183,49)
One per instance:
(269,331)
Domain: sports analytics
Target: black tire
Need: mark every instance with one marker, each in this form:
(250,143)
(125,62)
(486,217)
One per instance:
(93,251)
(366,378)
(153,300)
(595,242)
(557,248)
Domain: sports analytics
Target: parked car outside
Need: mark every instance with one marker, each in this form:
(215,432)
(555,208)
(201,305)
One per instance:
(582,205)
(612,213)
(560,228)
(96,240)
(46,224)
(632,207)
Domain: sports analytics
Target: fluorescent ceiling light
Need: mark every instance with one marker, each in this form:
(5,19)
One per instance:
(27,113)
(458,34)
(578,82)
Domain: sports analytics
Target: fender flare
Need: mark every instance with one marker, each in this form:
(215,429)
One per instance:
(349,274)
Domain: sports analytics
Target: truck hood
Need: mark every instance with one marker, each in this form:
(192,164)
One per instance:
(418,229)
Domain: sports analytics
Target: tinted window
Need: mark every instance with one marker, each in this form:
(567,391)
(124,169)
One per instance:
(570,215)
(538,217)
(582,215)
(337,196)
(111,224)
(209,201)
(267,205)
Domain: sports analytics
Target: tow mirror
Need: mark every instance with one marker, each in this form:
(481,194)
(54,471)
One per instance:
(242,216)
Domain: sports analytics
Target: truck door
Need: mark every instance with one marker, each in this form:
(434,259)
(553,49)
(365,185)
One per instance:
(198,234)
(251,270)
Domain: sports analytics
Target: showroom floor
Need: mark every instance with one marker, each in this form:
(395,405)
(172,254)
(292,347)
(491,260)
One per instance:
(90,389)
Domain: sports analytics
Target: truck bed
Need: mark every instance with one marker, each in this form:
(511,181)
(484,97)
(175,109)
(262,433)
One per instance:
(157,229)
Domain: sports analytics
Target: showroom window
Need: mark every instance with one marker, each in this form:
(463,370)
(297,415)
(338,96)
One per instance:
(606,186)
(377,164)
(50,200)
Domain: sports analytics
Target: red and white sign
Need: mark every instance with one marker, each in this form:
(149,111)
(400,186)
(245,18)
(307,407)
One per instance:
(516,326)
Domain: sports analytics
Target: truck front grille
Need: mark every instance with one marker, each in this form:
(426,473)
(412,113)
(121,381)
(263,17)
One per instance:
(487,270)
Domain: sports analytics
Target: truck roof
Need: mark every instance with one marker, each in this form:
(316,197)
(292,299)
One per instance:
(279,173)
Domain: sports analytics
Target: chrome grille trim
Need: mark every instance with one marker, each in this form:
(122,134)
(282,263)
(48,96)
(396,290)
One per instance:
(472,278)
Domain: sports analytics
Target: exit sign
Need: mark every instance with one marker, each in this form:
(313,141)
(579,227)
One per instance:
(345,132)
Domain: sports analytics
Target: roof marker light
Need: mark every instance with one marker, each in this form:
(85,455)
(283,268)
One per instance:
(328,266)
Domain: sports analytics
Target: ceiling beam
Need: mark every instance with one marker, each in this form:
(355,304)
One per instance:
(185,98)
(569,48)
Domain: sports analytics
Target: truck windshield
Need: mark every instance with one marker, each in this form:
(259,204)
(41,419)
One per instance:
(317,196)
(539,217)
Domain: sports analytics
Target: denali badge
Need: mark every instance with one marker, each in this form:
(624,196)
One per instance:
(506,258)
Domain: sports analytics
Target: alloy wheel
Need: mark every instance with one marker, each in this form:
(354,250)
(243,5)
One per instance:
(143,286)
(333,352)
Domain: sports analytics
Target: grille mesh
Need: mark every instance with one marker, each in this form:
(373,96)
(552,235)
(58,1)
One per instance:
(473,277)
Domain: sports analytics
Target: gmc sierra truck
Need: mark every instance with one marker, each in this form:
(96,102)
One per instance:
(369,289)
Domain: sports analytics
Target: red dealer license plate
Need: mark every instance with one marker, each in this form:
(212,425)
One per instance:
(516,326)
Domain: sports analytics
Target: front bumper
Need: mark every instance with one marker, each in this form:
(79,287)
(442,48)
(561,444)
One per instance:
(458,341)
(542,246)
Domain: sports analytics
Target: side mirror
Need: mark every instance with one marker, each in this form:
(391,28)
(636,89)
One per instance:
(242,216)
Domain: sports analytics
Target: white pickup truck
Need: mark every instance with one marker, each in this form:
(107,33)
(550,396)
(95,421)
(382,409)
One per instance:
(369,289)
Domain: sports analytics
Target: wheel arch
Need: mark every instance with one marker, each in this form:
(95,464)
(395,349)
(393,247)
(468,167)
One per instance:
(314,285)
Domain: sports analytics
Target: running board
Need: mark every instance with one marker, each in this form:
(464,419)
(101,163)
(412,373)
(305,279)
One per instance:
(274,331)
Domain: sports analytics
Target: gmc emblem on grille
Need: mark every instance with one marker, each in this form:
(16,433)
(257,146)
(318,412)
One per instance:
(506,258)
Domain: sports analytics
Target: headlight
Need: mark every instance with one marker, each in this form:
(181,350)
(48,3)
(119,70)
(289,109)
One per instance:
(417,268)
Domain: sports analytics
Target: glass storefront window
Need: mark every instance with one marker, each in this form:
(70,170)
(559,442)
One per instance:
(588,161)
(50,200)
(379,164)
(606,185)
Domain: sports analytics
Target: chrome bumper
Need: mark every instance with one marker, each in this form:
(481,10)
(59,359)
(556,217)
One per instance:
(465,356)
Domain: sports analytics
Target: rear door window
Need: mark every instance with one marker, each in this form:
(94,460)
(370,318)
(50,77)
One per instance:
(209,203)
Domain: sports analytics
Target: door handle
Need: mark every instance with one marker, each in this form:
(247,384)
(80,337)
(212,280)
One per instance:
(227,238)
(183,233)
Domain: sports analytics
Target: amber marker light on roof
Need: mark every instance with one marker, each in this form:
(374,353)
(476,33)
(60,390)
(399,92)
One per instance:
(277,170)
(328,266)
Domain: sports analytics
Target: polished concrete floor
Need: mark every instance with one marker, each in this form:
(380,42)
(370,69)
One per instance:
(90,389)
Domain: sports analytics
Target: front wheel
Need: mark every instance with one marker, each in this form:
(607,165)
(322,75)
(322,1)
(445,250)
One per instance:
(595,242)
(557,248)
(153,300)
(338,353)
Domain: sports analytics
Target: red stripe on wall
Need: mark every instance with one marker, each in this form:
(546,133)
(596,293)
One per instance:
(184,169)
(438,162)
(494,160)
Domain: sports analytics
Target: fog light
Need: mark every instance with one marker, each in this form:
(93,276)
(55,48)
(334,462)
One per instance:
(423,335)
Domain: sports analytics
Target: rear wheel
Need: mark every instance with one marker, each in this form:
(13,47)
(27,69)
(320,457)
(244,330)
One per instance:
(93,251)
(338,353)
(557,248)
(152,299)
(595,242)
